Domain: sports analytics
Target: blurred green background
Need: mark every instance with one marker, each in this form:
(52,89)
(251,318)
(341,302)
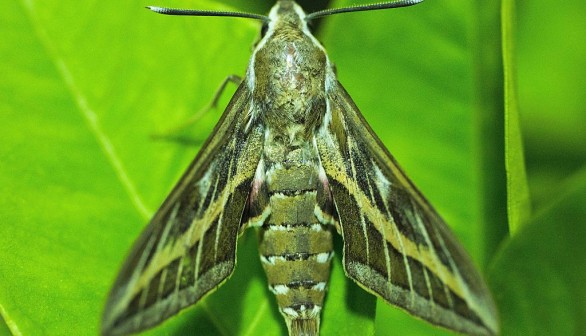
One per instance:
(482,103)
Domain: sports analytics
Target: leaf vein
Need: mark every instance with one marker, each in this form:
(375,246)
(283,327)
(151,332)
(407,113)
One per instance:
(89,115)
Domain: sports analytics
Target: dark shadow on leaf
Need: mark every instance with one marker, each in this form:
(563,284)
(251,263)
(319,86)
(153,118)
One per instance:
(184,140)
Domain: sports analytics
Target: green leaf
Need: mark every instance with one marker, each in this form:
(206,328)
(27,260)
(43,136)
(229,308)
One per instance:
(538,276)
(85,84)
(518,206)
(552,76)
(4,330)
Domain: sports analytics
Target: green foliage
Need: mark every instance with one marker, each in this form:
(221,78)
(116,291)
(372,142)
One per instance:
(552,76)
(85,84)
(538,276)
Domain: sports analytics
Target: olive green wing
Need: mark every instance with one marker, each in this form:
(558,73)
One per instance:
(395,244)
(189,247)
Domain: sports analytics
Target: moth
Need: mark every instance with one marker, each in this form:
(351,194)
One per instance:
(293,157)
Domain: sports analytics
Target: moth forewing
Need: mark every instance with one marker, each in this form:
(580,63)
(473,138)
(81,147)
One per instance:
(293,156)
(189,246)
(395,244)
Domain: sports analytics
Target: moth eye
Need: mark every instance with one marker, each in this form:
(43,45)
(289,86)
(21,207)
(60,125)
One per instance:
(264,29)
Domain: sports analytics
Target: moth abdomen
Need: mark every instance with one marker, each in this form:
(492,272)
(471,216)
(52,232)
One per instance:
(295,247)
(297,261)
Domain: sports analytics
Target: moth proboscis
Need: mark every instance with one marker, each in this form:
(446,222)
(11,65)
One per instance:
(293,156)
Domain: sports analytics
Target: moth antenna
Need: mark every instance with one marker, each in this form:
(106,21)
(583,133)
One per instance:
(197,12)
(360,8)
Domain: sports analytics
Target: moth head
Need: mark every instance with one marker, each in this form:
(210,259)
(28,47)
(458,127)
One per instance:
(285,15)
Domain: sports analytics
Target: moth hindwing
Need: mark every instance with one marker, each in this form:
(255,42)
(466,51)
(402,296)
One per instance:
(293,157)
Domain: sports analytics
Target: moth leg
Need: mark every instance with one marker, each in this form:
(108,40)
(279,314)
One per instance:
(172,132)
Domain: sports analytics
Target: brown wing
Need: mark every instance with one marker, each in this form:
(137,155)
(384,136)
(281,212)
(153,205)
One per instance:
(395,243)
(189,247)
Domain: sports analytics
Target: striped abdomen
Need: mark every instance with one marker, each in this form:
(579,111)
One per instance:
(295,246)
